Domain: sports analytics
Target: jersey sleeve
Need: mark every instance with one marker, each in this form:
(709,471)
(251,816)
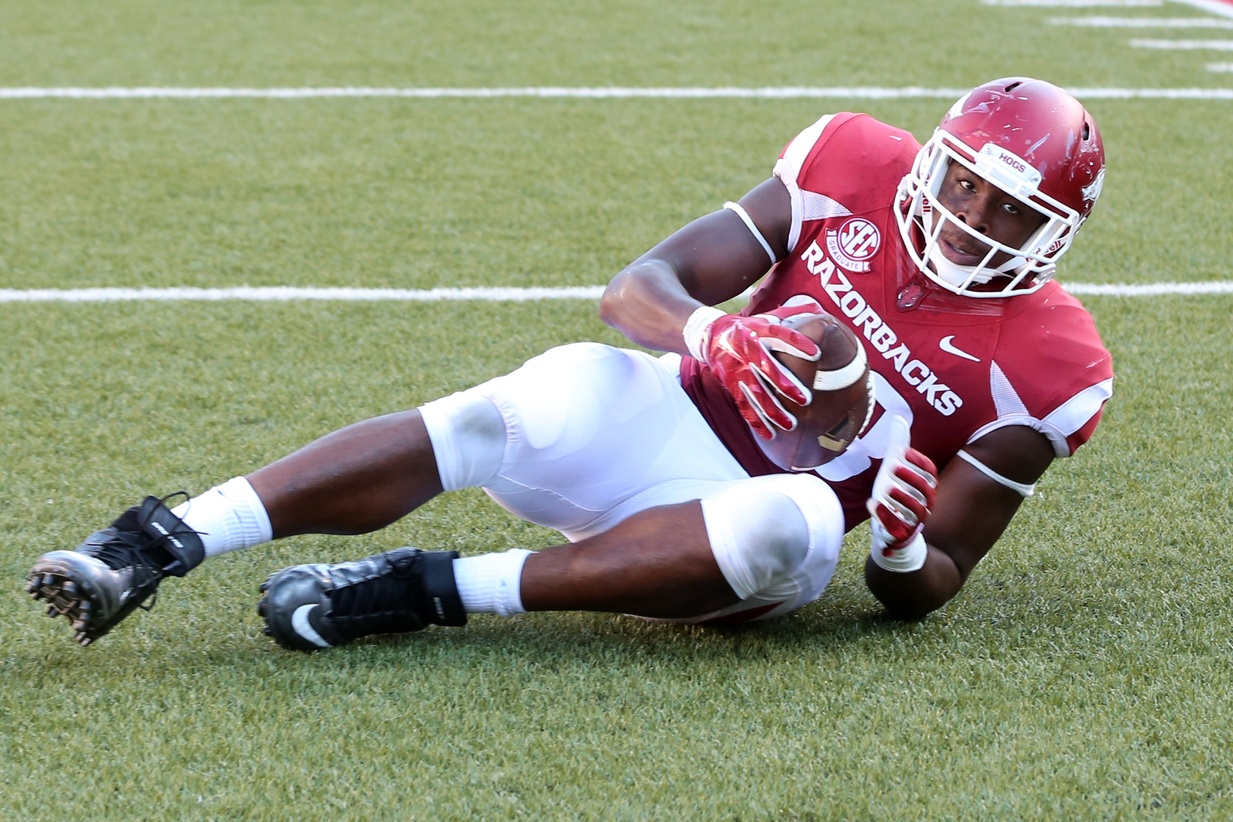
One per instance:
(794,167)
(1057,384)
(827,167)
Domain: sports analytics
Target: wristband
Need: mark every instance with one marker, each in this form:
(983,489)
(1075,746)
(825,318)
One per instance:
(900,560)
(696,330)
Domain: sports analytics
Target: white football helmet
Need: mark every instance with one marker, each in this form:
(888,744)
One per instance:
(1032,140)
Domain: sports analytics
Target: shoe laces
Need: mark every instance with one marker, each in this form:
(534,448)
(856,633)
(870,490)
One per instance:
(124,549)
(383,599)
(129,544)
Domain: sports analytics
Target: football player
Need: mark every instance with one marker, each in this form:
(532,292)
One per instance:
(668,475)
(941,257)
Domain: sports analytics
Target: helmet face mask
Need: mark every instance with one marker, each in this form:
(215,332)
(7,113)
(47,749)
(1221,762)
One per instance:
(1036,144)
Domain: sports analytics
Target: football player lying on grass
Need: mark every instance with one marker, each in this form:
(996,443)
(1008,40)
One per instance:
(600,443)
(906,319)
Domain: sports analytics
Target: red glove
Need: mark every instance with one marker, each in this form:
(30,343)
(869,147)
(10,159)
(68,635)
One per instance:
(904,493)
(738,351)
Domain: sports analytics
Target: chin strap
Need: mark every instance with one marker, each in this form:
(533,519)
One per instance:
(965,275)
(961,276)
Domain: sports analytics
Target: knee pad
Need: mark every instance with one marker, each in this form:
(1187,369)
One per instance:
(763,531)
(468,438)
(758,538)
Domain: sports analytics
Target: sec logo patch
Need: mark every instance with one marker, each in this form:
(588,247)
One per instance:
(853,243)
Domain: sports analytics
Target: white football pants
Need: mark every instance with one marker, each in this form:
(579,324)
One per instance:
(585,435)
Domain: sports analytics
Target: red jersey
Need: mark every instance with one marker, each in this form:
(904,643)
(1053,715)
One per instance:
(955,367)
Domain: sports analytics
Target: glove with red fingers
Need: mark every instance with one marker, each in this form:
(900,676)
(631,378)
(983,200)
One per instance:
(739,350)
(904,492)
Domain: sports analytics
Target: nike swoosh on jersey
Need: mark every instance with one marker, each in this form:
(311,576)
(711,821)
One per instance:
(301,625)
(947,344)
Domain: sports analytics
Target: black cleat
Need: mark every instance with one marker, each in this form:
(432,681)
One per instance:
(310,607)
(116,569)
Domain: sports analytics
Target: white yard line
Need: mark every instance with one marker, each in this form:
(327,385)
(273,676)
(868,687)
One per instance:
(777,92)
(289,294)
(1144,22)
(1184,45)
(1077,4)
(1150,289)
(1217,7)
(788,92)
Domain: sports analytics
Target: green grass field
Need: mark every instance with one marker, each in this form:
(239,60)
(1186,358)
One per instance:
(1082,674)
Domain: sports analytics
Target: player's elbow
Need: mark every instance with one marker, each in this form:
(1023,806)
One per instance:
(640,288)
(620,298)
(910,596)
(908,609)
(612,302)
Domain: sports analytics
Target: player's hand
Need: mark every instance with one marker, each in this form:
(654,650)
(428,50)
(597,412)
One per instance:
(739,351)
(904,493)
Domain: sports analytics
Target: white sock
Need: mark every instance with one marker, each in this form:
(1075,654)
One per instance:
(228,517)
(491,583)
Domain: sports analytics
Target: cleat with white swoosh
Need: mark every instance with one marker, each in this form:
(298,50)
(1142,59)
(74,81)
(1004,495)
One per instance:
(317,606)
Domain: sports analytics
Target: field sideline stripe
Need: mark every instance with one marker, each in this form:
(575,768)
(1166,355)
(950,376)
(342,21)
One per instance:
(558,92)
(287,293)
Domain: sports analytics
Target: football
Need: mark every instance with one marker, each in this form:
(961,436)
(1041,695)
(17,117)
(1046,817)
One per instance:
(842,396)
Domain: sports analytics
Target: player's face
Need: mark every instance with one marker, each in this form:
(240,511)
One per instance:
(987,209)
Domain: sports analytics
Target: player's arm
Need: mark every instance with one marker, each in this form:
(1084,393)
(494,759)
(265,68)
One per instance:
(974,502)
(713,259)
(664,300)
